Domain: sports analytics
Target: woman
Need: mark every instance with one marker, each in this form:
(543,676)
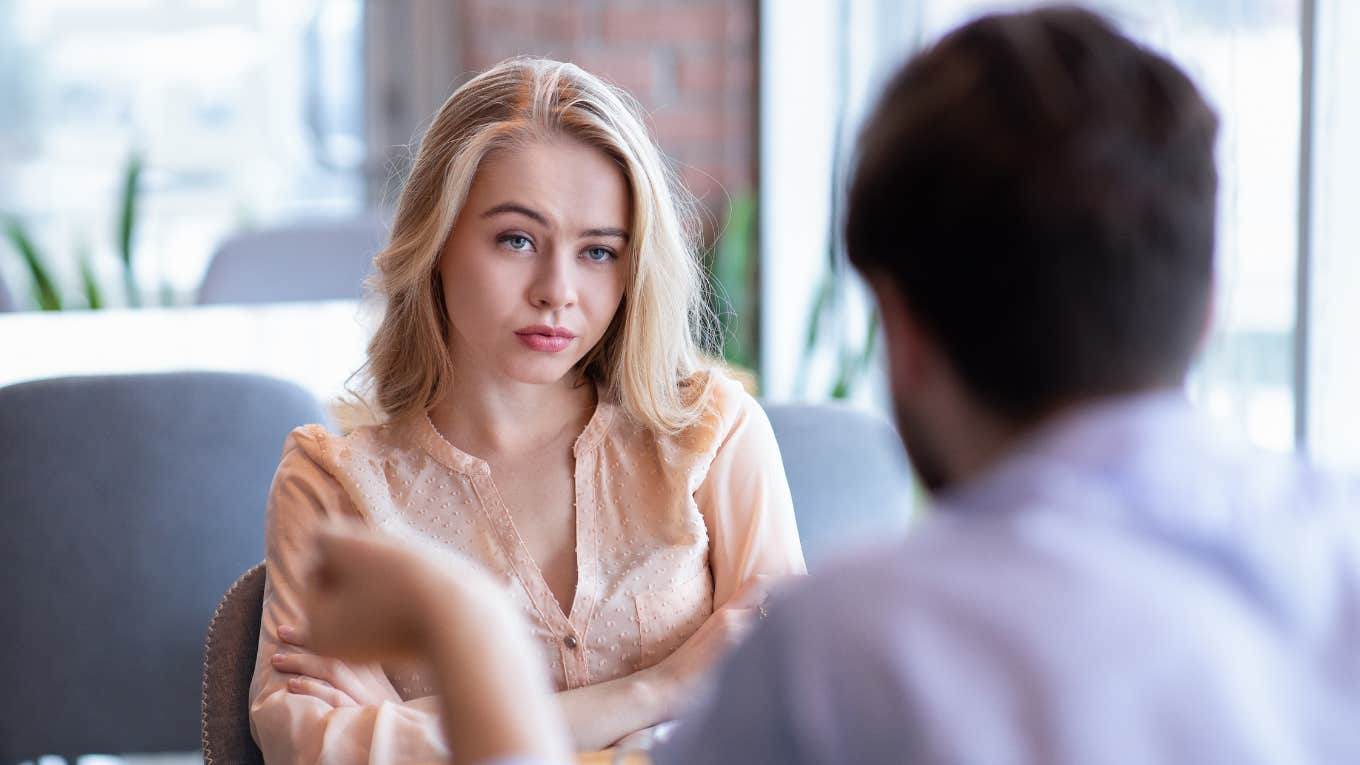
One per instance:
(544,414)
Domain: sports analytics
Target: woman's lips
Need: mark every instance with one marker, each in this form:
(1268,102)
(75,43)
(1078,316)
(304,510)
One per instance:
(545,339)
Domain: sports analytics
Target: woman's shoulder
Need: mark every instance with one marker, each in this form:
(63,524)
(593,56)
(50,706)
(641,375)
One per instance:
(724,402)
(317,446)
(727,394)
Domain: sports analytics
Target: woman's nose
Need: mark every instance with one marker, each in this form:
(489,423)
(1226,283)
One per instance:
(553,287)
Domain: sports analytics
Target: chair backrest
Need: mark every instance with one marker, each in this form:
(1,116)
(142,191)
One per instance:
(129,504)
(848,474)
(317,260)
(228,665)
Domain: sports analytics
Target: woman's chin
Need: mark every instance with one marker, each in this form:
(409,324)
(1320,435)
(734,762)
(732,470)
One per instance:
(544,372)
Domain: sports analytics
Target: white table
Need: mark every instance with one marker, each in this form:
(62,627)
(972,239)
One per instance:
(317,345)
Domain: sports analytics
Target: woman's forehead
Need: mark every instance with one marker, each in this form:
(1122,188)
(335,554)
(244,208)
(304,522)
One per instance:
(568,183)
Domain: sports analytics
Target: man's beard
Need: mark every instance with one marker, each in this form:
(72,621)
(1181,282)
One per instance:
(921,449)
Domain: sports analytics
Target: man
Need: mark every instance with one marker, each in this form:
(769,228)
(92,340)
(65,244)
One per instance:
(1102,579)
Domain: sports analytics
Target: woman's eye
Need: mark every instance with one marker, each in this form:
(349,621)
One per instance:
(517,242)
(599,254)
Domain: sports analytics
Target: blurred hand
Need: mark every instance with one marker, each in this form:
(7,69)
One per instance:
(370,597)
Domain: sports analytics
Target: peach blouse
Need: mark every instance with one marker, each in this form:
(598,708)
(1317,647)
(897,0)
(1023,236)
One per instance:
(667,529)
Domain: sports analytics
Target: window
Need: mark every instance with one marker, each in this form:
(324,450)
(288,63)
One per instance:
(241,112)
(1274,366)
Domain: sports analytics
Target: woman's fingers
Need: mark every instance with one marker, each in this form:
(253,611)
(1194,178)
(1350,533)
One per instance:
(292,635)
(319,667)
(330,680)
(361,685)
(310,686)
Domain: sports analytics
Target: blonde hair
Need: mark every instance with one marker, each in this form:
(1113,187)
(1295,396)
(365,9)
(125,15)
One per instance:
(654,343)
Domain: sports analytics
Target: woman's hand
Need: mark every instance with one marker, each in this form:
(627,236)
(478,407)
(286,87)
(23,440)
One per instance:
(333,681)
(678,675)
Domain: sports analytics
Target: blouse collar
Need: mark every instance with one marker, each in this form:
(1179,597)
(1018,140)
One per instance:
(433,442)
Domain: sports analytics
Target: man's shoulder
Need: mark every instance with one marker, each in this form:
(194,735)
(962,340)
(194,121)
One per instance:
(863,590)
(1034,582)
(1048,587)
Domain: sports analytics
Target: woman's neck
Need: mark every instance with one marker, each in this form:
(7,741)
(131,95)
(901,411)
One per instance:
(491,420)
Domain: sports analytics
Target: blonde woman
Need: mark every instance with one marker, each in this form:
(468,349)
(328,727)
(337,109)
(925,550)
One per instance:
(545,414)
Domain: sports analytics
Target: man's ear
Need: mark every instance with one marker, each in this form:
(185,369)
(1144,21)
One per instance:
(911,353)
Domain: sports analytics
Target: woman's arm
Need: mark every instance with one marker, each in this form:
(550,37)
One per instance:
(306,706)
(371,599)
(295,727)
(753,541)
(601,714)
(598,715)
(745,500)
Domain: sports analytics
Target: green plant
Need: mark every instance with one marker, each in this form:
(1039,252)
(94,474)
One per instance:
(94,297)
(732,277)
(127,218)
(829,327)
(732,269)
(827,322)
(46,291)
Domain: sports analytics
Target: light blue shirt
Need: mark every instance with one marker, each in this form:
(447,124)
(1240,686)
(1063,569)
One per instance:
(1124,587)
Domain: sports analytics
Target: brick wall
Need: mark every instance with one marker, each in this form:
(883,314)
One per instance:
(690,63)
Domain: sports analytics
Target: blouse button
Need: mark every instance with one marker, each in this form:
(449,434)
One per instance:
(569,641)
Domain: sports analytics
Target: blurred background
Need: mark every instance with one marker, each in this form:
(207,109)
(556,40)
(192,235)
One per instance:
(202,184)
(156,155)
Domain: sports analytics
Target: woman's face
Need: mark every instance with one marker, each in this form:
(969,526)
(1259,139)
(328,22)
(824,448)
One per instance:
(533,271)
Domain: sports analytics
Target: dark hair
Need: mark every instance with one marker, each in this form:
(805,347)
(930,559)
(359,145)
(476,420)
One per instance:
(1041,191)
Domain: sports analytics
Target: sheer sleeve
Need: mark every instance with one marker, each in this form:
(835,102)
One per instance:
(745,500)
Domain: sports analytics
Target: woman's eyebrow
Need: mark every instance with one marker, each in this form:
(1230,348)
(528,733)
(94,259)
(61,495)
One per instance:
(511,207)
(615,232)
(541,219)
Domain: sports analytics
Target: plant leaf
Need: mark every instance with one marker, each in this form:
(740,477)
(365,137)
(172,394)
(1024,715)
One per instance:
(127,220)
(94,297)
(820,305)
(853,368)
(734,282)
(44,286)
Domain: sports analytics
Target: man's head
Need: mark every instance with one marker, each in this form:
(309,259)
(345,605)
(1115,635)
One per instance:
(1033,204)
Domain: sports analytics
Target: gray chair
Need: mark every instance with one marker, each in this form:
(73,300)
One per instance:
(228,665)
(129,504)
(316,260)
(848,475)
